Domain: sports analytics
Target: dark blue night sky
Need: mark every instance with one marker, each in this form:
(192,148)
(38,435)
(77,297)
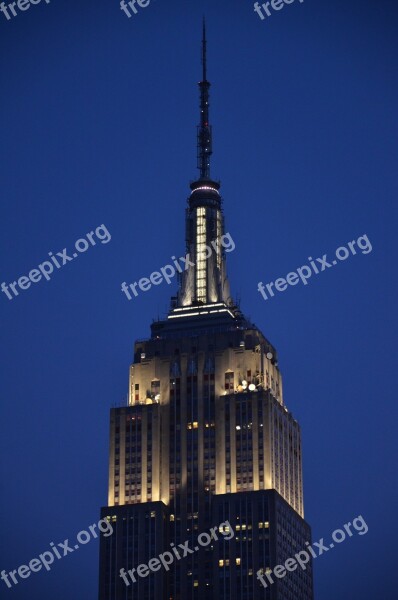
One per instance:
(98,126)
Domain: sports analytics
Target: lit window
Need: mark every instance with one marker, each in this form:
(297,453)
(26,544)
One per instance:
(193,425)
(155,389)
(201,274)
(223,563)
(218,247)
(229,381)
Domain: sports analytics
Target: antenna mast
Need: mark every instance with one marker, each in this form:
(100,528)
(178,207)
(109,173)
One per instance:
(204,137)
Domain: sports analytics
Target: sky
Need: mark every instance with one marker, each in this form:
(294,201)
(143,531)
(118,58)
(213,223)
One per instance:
(98,127)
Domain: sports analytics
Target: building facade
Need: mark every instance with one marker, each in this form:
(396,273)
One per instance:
(206,438)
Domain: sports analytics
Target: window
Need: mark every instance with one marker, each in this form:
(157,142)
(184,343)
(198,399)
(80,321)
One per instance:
(229,381)
(155,388)
(201,291)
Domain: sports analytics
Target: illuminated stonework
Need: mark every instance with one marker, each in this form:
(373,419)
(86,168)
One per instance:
(256,445)
(206,436)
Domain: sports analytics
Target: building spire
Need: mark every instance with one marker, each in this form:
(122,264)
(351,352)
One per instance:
(204,51)
(204,137)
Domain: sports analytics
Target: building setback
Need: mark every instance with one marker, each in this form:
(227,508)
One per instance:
(206,438)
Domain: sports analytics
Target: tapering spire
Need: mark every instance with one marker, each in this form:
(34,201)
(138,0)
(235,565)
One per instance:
(205,280)
(204,129)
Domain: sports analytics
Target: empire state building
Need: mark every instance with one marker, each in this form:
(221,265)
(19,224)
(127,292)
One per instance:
(206,442)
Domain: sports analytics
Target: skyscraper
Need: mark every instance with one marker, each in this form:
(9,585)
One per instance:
(206,440)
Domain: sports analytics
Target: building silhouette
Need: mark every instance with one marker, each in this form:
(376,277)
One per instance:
(206,438)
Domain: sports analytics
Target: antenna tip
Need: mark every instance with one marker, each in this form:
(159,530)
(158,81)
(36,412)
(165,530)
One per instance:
(204,44)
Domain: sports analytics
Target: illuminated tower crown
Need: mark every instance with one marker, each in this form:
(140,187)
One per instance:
(206,282)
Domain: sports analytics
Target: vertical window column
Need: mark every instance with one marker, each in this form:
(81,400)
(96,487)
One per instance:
(201,283)
(219,233)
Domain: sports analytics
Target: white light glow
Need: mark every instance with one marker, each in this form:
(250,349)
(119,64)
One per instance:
(205,188)
(187,311)
(188,315)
